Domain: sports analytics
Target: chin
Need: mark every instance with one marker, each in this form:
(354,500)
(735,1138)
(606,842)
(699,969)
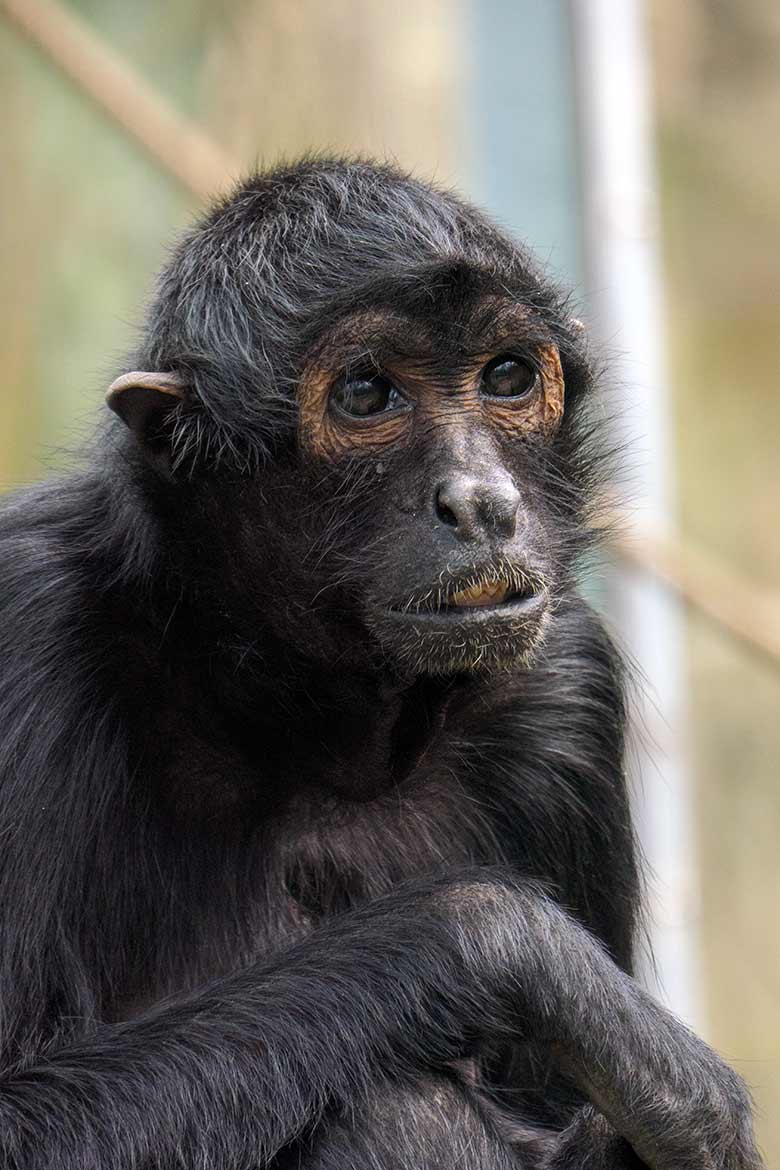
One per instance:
(485,640)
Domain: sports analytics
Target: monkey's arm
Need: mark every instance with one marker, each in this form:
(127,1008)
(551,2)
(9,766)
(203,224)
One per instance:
(231,1074)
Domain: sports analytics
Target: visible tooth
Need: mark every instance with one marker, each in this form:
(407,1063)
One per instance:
(486,594)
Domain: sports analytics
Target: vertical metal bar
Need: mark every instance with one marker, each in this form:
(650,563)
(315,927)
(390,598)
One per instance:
(620,215)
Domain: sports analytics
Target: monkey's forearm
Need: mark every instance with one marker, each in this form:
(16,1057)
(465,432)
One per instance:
(229,1075)
(235,1072)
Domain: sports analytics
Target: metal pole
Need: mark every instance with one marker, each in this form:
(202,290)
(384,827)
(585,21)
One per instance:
(620,215)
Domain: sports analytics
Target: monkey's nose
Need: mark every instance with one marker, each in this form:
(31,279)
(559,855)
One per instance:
(474,505)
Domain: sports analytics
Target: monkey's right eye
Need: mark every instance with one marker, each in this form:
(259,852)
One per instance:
(361,397)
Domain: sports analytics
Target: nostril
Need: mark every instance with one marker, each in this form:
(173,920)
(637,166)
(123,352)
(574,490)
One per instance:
(445,512)
(447,516)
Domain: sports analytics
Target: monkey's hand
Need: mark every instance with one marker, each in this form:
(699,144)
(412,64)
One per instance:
(661,1088)
(675,1107)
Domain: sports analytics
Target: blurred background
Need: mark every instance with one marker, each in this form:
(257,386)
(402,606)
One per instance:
(635,146)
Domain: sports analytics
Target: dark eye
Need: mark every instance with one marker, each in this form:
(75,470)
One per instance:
(508,377)
(362,396)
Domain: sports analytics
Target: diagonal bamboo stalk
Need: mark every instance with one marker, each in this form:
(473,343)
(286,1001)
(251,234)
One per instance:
(713,589)
(178,146)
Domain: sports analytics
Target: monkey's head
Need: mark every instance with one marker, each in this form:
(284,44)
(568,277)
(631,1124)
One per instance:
(360,419)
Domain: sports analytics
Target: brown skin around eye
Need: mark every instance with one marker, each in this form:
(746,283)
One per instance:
(542,409)
(328,435)
(538,412)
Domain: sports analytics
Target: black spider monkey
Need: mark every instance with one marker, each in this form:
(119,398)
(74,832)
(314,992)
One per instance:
(316,850)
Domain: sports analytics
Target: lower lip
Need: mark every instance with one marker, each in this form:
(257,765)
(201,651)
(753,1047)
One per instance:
(458,615)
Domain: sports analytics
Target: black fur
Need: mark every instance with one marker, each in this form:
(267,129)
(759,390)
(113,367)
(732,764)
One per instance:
(273,891)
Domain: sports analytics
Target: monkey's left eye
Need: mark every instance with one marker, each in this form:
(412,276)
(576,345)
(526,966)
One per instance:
(363,396)
(508,377)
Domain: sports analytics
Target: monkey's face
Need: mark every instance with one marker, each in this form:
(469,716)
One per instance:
(421,514)
(425,444)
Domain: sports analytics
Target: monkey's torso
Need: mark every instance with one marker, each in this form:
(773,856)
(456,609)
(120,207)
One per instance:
(283,823)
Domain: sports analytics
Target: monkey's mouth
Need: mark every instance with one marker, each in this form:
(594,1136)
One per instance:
(478,597)
(490,618)
(481,594)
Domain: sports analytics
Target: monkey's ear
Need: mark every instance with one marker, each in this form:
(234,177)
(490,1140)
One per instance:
(143,399)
